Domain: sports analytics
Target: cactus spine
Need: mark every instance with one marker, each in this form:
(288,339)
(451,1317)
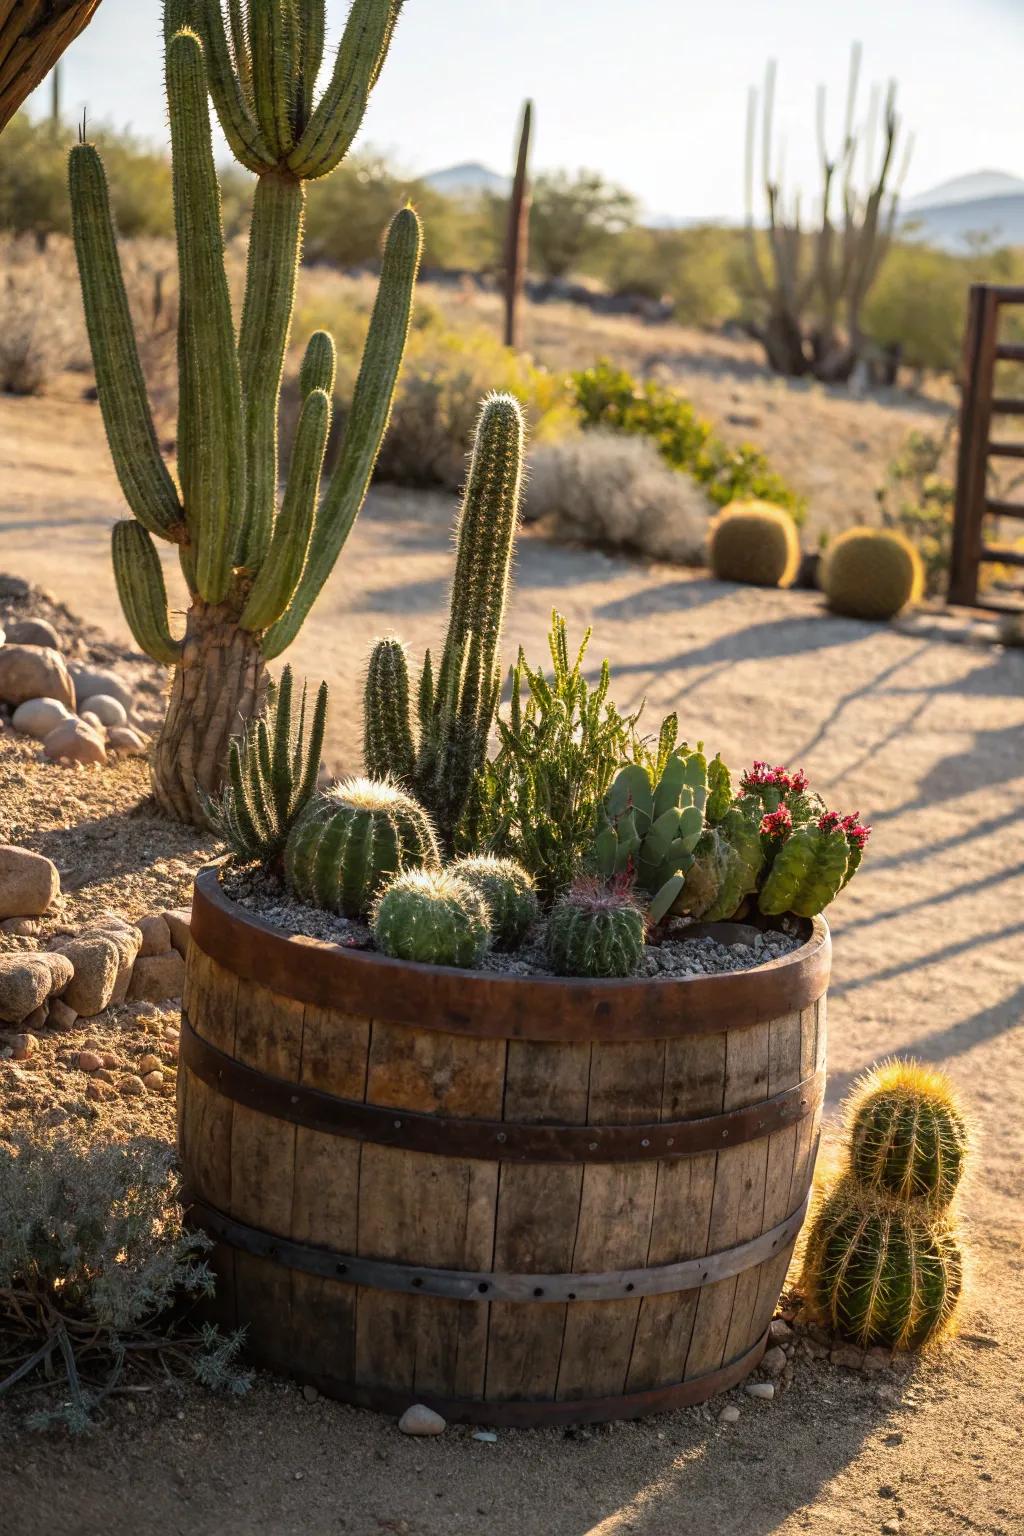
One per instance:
(595,930)
(351,839)
(508,891)
(456,707)
(434,917)
(253,568)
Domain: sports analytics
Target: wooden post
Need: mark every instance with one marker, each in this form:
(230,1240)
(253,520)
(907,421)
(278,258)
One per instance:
(972,458)
(517,238)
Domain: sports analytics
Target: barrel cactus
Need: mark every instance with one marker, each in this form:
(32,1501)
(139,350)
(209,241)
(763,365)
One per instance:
(908,1136)
(882,1271)
(755,542)
(508,891)
(871,573)
(432,916)
(456,705)
(351,839)
(253,564)
(596,929)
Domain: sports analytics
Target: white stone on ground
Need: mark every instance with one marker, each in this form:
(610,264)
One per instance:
(29,882)
(121,738)
(107,709)
(421,1420)
(729,1415)
(38,717)
(762,1389)
(89,681)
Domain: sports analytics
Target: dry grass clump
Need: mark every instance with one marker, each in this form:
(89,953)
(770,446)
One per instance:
(602,488)
(41,324)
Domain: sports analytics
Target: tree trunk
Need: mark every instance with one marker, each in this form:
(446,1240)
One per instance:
(217,688)
(33,35)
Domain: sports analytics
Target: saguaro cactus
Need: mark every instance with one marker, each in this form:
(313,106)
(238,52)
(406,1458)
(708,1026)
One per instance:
(253,565)
(517,234)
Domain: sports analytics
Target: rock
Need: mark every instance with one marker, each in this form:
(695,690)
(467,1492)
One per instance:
(94,723)
(761,1389)
(96,960)
(774,1361)
(421,1420)
(105,1076)
(60,1015)
(848,1355)
(28,882)
(149,1063)
(121,738)
(128,940)
(156,936)
(34,672)
(153,1081)
(107,709)
(24,1046)
(486,1435)
(38,717)
(27,979)
(37,1018)
(877,1359)
(89,1061)
(33,632)
(310,1393)
(94,1089)
(779,1332)
(156,977)
(892,1527)
(729,1415)
(131,1086)
(76,742)
(90,681)
(179,921)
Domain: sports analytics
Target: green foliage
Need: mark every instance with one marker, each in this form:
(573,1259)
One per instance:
(755,542)
(908,1136)
(272,774)
(648,829)
(916,499)
(433,917)
(348,842)
(572,217)
(94,1265)
(595,930)
(693,268)
(871,573)
(508,891)
(609,397)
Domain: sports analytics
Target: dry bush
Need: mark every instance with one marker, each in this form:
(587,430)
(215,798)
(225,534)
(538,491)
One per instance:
(42,330)
(601,488)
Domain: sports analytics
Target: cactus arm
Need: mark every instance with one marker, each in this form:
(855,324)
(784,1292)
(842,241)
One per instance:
(806,874)
(312,751)
(318,365)
(335,121)
(367,423)
(140,586)
(387,734)
(312,28)
(719,790)
(242,131)
(281,750)
(275,242)
(240,45)
(144,477)
(280,571)
(273,39)
(214,445)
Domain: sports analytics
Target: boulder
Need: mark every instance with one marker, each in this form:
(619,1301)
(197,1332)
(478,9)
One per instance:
(122,738)
(128,940)
(109,711)
(28,882)
(96,959)
(76,742)
(156,936)
(27,979)
(179,921)
(60,1015)
(156,977)
(38,717)
(90,681)
(34,632)
(34,672)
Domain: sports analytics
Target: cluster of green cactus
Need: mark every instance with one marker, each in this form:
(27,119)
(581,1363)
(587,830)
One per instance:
(755,542)
(456,705)
(871,573)
(596,929)
(432,916)
(508,891)
(272,774)
(883,1262)
(252,566)
(351,839)
(649,831)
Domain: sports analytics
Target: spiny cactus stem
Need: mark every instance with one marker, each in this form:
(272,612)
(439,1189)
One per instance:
(335,121)
(231,83)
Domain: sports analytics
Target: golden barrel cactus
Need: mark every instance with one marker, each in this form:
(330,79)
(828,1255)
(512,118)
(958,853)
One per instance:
(871,573)
(755,542)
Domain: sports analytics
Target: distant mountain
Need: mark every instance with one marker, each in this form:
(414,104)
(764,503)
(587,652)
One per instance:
(975,187)
(989,204)
(467,180)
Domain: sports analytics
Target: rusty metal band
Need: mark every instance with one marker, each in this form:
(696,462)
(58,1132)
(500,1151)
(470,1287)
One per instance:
(495,1006)
(507,1141)
(525,1414)
(488,1285)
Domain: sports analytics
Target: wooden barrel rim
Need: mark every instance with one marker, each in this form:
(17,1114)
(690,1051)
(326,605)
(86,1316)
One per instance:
(510,1141)
(537,1413)
(491,1005)
(487,1285)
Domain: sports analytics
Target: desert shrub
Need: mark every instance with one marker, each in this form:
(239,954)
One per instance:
(600,488)
(916,499)
(41,328)
(755,542)
(571,217)
(609,397)
(919,303)
(94,1263)
(691,267)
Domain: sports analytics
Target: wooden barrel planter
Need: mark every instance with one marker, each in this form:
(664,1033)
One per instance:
(519,1200)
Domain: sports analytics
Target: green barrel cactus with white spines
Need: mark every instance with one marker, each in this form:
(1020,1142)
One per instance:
(908,1135)
(254,562)
(457,701)
(434,917)
(649,831)
(595,930)
(881,1271)
(509,892)
(351,839)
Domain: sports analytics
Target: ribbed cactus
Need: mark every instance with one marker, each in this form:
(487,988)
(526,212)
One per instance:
(351,839)
(272,774)
(809,869)
(508,891)
(456,703)
(908,1136)
(597,930)
(881,1271)
(648,833)
(254,565)
(432,916)
(727,862)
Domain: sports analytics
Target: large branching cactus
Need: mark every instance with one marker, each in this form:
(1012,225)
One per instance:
(254,563)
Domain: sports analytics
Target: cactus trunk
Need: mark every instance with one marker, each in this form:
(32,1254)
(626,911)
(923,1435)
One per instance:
(217,687)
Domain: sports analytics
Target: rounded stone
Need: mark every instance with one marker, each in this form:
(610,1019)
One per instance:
(34,672)
(121,738)
(765,1390)
(149,1063)
(110,710)
(95,959)
(60,1015)
(132,1086)
(27,979)
(38,717)
(729,1415)
(89,1061)
(34,632)
(76,742)
(23,1046)
(156,936)
(774,1361)
(29,882)
(156,977)
(90,681)
(421,1420)
(153,1080)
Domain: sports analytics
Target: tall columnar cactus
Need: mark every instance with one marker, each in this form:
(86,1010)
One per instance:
(517,233)
(254,563)
(457,702)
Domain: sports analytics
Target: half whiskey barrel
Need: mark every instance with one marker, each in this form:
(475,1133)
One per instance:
(518,1200)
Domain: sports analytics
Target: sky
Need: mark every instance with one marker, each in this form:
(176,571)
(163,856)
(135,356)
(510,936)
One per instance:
(651,93)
